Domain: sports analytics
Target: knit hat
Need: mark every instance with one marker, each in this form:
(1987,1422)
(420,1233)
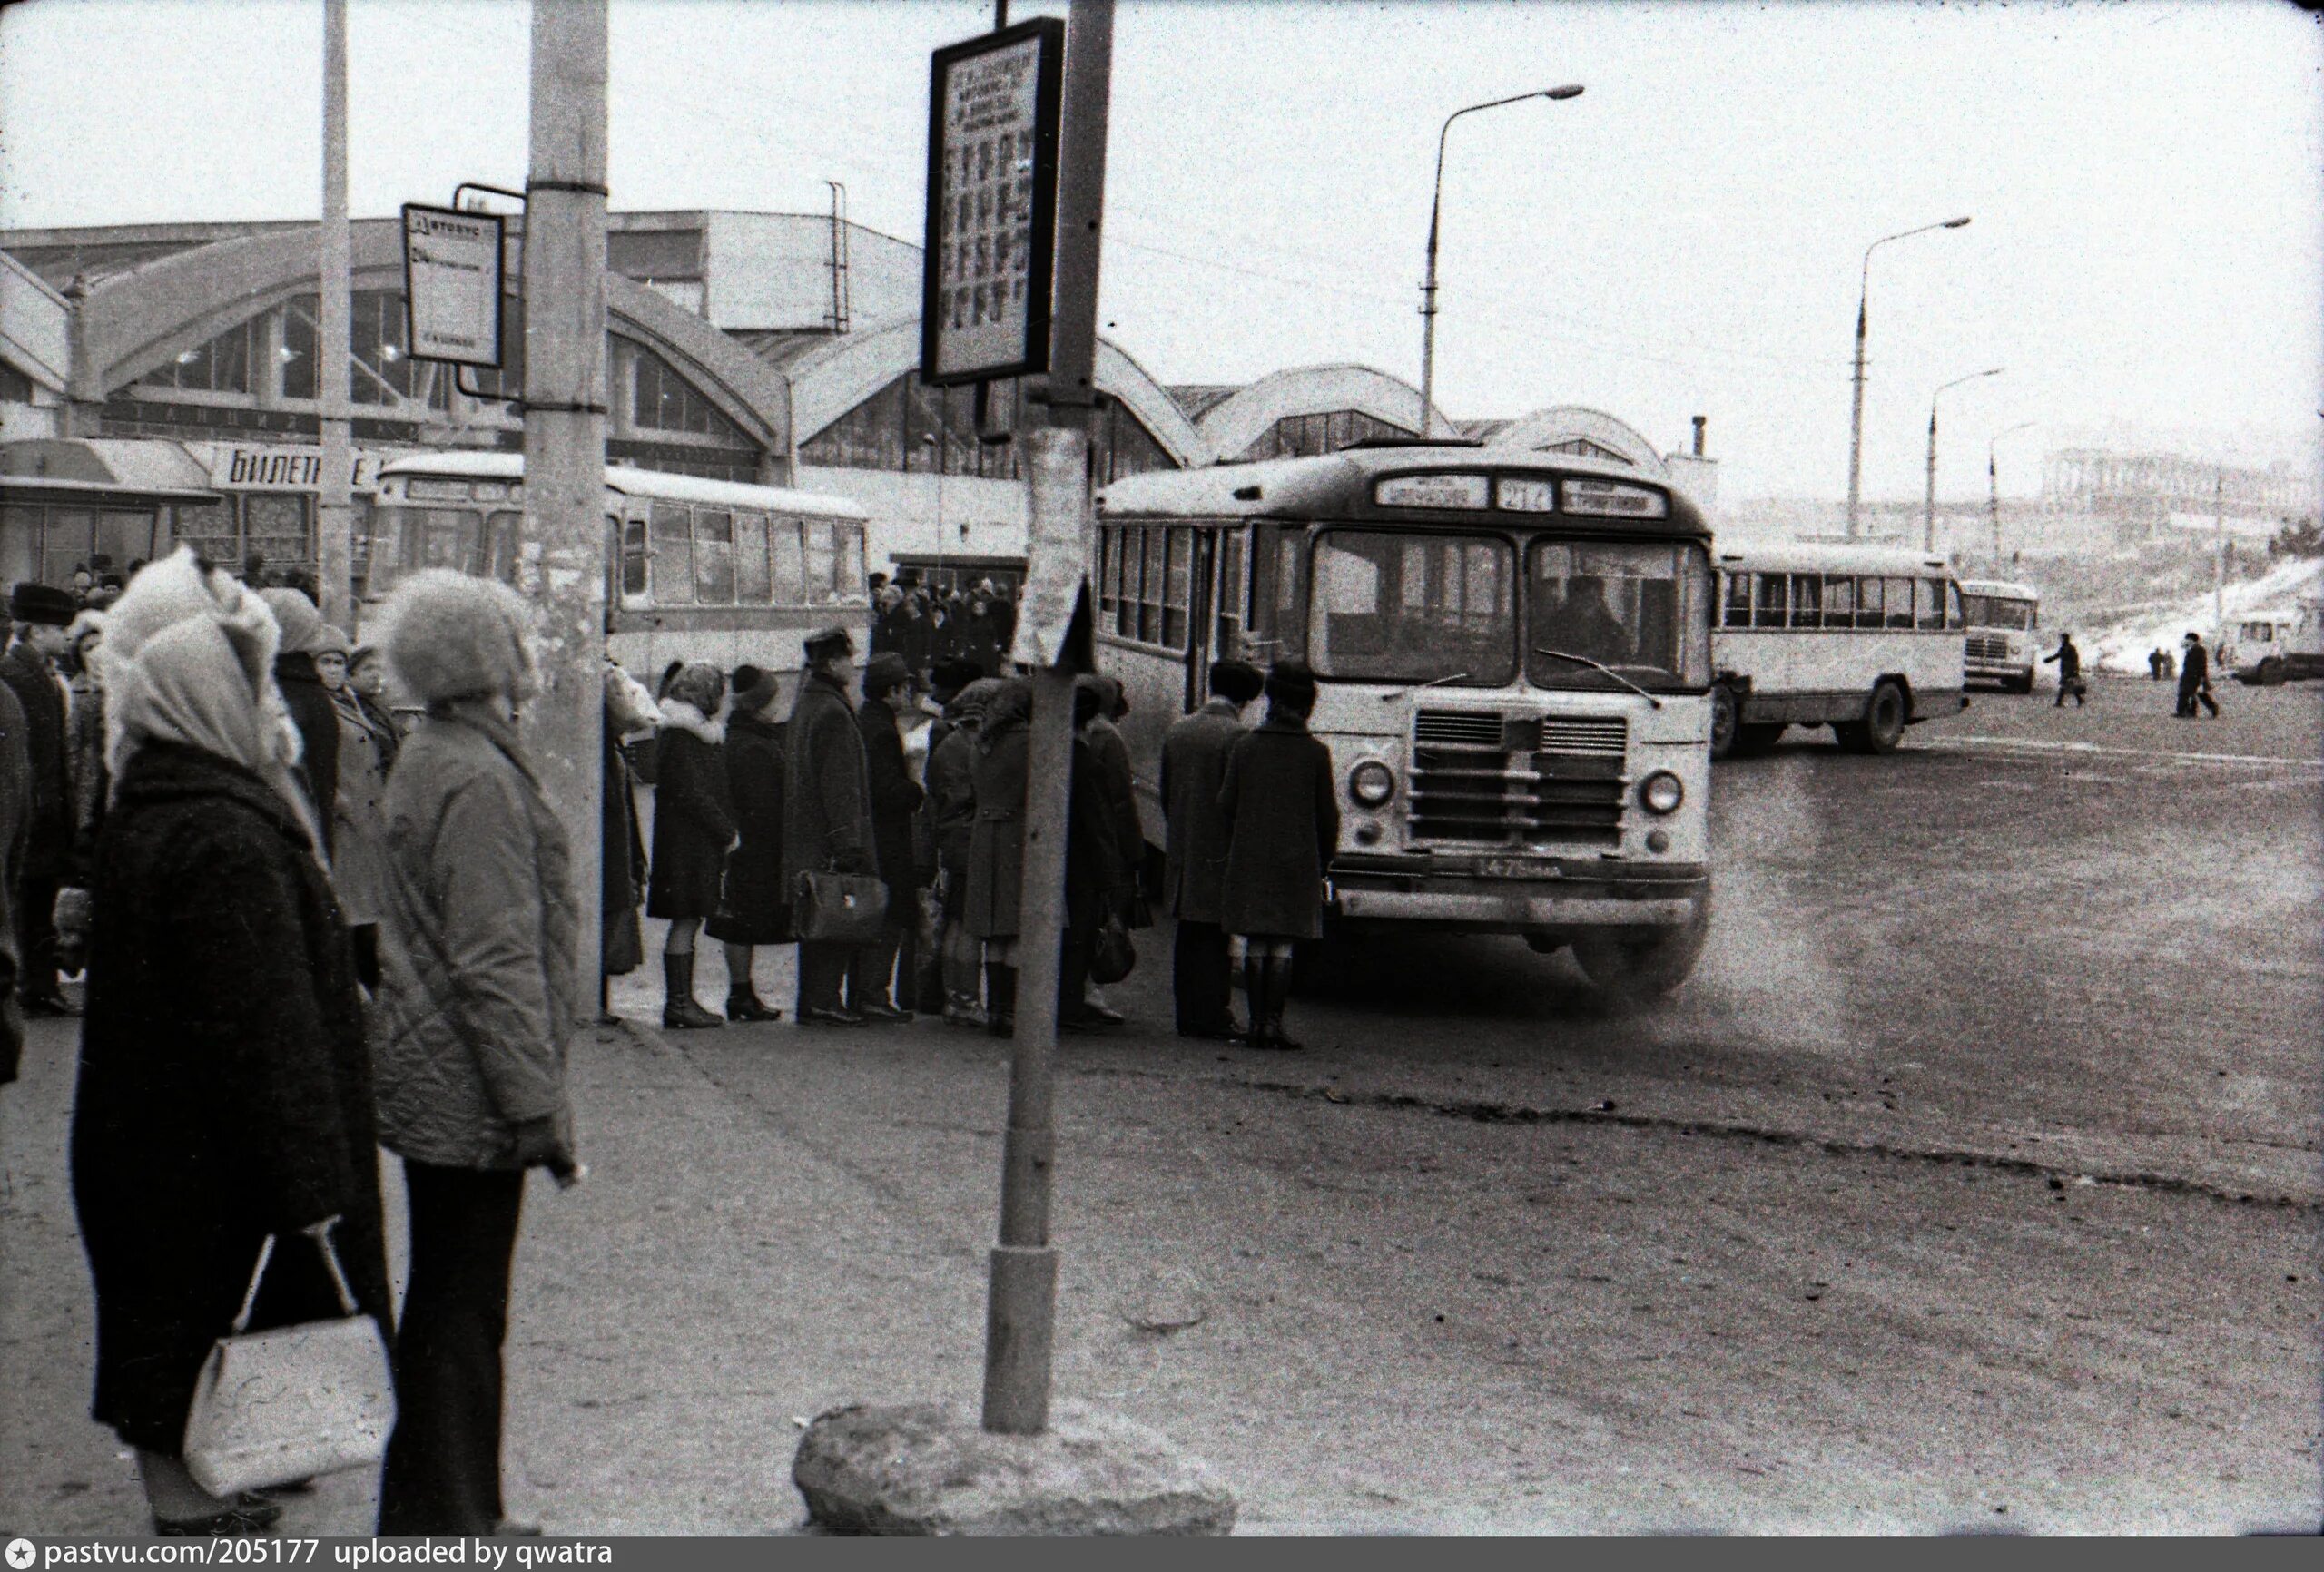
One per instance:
(303,628)
(753,688)
(884,671)
(332,640)
(42,605)
(451,635)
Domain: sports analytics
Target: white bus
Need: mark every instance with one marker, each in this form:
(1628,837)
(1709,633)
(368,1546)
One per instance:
(1865,639)
(696,570)
(2000,620)
(1514,657)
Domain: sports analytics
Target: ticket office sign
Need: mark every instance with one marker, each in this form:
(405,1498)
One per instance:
(993,111)
(452,264)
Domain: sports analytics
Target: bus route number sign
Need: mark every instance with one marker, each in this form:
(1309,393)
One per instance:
(451,285)
(994,104)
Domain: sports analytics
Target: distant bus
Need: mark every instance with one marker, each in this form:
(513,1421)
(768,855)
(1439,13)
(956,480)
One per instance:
(1865,639)
(2000,620)
(2270,647)
(1514,658)
(696,570)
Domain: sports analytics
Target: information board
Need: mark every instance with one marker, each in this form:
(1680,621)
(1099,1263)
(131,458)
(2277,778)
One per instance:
(993,106)
(451,285)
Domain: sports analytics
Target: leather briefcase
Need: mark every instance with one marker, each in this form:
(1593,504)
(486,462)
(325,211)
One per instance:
(840,909)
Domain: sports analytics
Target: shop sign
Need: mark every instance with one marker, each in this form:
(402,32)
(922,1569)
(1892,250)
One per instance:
(993,111)
(452,264)
(234,467)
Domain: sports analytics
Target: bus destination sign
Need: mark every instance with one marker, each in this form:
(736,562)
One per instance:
(451,285)
(1439,491)
(1613,499)
(993,111)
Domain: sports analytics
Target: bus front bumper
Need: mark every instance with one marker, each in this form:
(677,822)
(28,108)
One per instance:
(1661,897)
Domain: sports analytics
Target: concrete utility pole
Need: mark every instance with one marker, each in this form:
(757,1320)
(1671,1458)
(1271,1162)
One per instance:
(1992,482)
(562,565)
(1856,416)
(1021,1313)
(1928,514)
(335,495)
(2219,555)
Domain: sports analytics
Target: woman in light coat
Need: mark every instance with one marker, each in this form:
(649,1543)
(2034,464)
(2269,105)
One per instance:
(477,961)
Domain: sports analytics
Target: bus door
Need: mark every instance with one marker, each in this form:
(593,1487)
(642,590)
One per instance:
(1200,623)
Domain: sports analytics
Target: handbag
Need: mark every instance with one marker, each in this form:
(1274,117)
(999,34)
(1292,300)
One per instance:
(1113,957)
(290,1403)
(849,909)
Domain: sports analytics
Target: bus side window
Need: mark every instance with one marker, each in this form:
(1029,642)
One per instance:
(634,555)
(714,557)
(1178,587)
(501,533)
(1131,549)
(786,561)
(1953,618)
(1767,601)
(1900,603)
(1109,571)
(753,587)
(1839,600)
(1153,589)
(1868,603)
(1231,589)
(1929,605)
(674,555)
(1806,600)
(1739,600)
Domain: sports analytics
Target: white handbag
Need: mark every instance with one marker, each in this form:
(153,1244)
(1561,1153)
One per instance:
(273,1406)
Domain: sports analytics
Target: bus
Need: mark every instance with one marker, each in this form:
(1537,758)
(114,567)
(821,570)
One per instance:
(1513,653)
(1865,639)
(2274,646)
(695,570)
(1999,620)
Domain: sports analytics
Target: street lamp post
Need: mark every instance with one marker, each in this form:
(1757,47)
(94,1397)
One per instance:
(1928,513)
(1435,210)
(1855,418)
(1993,483)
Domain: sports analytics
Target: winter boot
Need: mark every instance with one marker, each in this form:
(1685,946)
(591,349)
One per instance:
(679,1012)
(1254,998)
(744,1004)
(1278,995)
(1000,1000)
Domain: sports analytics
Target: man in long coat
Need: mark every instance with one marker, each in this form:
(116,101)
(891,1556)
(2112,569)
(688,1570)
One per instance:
(1280,801)
(826,811)
(1194,767)
(2195,679)
(895,796)
(43,616)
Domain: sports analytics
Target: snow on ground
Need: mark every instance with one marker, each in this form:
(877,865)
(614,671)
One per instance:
(2124,648)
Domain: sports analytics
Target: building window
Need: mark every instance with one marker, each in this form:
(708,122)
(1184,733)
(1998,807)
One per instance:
(1304,435)
(16,388)
(220,366)
(905,427)
(661,400)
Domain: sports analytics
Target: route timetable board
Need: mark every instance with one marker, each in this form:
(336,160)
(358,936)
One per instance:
(992,158)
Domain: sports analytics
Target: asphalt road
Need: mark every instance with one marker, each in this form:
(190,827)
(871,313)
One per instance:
(1973,1183)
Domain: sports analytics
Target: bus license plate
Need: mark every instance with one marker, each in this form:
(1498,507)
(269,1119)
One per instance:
(1515,868)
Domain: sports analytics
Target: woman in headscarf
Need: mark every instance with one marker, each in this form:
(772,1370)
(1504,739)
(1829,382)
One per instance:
(367,748)
(367,683)
(476,968)
(225,1090)
(951,810)
(85,736)
(754,909)
(693,829)
(304,633)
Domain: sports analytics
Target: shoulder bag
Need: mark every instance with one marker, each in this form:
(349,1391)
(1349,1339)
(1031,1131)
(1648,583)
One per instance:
(849,909)
(271,1407)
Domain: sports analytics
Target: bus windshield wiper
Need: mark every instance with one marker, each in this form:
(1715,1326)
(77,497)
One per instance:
(1600,666)
(1416,687)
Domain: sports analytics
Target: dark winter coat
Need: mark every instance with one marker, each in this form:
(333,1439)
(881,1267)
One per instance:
(2195,669)
(84,747)
(756,906)
(1194,768)
(826,785)
(2068,659)
(913,637)
(1284,824)
(952,803)
(693,816)
(475,952)
(16,819)
(225,1090)
(318,720)
(981,642)
(621,866)
(367,746)
(1118,786)
(1095,872)
(48,851)
(895,795)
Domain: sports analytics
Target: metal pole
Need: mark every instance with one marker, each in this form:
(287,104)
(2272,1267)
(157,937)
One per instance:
(2219,555)
(1928,507)
(562,567)
(1022,1312)
(1855,414)
(1993,496)
(334,496)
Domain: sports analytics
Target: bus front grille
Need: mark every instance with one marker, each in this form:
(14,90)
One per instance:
(1461,728)
(1487,797)
(1988,647)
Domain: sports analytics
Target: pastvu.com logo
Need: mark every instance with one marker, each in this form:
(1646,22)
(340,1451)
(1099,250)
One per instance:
(21,1554)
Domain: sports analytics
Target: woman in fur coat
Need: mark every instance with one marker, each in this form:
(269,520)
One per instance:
(693,829)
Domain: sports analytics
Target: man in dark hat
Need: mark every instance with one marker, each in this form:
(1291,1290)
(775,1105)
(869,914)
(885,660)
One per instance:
(43,616)
(1283,818)
(1194,767)
(2195,679)
(895,796)
(826,811)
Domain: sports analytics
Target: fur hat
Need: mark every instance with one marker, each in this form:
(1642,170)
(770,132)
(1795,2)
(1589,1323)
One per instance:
(753,688)
(629,708)
(451,635)
(41,605)
(700,684)
(885,670)
(1236,682)
(826,643)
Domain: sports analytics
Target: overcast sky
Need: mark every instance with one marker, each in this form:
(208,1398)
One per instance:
(2146,260)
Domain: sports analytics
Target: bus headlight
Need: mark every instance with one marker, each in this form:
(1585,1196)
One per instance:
(1661,792)
(1372,783)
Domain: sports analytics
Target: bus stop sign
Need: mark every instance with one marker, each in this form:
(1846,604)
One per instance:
(452,285)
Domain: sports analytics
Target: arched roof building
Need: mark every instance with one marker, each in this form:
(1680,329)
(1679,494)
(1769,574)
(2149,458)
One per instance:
(1306,410)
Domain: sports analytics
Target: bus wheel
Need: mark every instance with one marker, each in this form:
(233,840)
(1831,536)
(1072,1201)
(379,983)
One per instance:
(1755,739)
(2024,684)
(1632,965)
(2272,672)
(1882,725)
(1725,720)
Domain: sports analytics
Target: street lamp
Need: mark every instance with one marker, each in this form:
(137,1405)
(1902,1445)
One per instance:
(1928,514)
(1855,419)
(1992,482)
(1428,284)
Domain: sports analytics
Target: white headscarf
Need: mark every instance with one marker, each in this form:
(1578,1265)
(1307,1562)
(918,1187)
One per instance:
(188,658)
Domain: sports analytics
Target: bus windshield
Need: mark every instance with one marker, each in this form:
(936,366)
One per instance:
(1391,606)
(1995,612)
(1639,608)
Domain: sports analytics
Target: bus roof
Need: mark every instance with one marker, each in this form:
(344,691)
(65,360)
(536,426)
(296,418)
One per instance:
(2000,589)
(1326,482)
(1819,557)
(631,481)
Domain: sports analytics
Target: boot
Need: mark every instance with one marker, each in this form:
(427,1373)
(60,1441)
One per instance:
(1278,995)
(679,1012)
(744,1004)
(1001,999)
(1254,995)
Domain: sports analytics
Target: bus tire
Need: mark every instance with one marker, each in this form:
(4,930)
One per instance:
(1725,720)
(2272,672)
(1631,966)
(1752,741)
(2024,684)
(1882,725)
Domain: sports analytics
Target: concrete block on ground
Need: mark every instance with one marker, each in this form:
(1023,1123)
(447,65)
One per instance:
(929,1469)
